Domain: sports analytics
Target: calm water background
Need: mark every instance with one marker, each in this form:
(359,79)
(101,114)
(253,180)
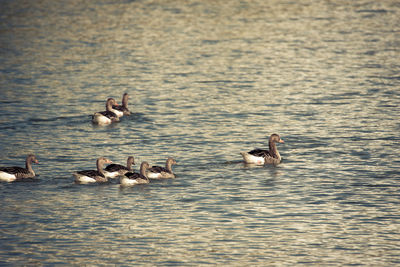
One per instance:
(207,79)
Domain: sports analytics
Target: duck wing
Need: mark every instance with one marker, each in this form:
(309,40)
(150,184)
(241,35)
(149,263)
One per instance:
(134,175)
(120,108)
(108,114)
(115,167)
(157,169)
(14,170)
(260,153)
(91,173)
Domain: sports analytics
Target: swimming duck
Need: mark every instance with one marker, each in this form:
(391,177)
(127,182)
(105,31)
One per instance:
(260,156)
(10,174)
(114,170)
(133,178)
(92,176)
(157,172)
(124,107)
(106,117)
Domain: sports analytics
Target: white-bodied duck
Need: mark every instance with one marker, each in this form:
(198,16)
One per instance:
(93,176)
(106,117)
(261,156)
(11,174)
(157,172)
(133,178)
(123,109)
(115,170)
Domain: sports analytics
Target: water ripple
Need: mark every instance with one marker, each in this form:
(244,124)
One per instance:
(206,81)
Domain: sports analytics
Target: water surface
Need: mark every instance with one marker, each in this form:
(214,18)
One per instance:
(207,80)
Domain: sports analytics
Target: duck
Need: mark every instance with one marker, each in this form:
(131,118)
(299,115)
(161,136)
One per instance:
(93,176)
(124,107)
(106,117)
(133,178)
(115,170)
(11,174)
(260,156)
(157,172)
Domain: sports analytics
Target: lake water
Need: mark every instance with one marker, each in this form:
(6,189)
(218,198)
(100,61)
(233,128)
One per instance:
(207,80)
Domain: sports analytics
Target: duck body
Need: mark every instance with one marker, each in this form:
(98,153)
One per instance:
(89,176)
(92,176)
(106,117)
(115,170)
(157,172)
(117,111)
(261,156)
(11,174)
(133,178)
(123,109)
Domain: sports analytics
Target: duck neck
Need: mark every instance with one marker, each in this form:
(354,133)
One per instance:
(168,166)
(129,164)
(273,150)
(99,165)
(109,106)
(28,165)
(143,170)
(125,101)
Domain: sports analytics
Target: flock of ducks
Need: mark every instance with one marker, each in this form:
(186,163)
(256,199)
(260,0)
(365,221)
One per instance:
(126,174)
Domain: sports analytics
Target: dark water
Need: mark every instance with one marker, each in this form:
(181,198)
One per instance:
(207,80)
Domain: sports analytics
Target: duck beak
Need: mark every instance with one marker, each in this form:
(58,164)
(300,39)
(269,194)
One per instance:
(281,141)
